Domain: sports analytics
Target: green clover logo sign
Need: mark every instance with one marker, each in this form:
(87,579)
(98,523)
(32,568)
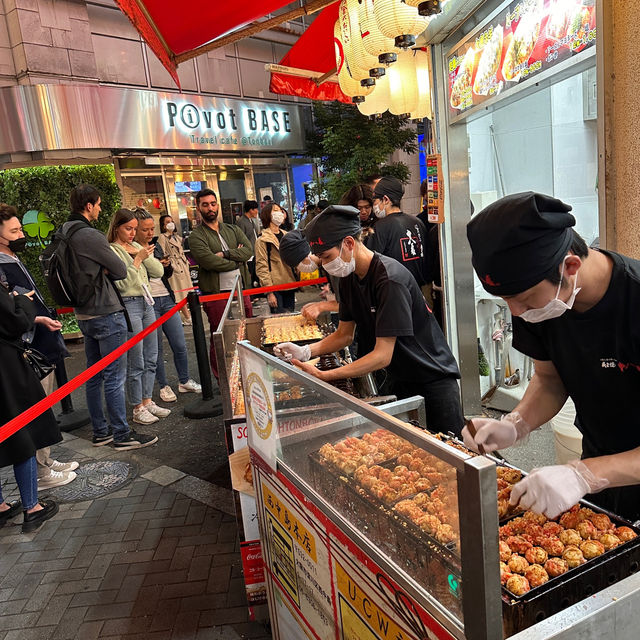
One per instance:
(37,224)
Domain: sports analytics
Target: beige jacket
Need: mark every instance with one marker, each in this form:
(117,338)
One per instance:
(269,266)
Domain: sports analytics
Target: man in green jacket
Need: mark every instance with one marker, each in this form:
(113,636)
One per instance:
(222,251)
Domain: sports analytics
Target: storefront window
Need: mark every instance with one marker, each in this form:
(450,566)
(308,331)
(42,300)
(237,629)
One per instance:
(274,185)
(301,178)
(144,191)
(185,191)
(232,194)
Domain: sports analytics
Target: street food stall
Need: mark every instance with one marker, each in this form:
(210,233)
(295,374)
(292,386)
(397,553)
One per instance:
(374,528)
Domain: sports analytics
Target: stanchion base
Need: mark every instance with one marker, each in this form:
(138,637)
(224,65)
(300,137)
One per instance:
(203,409)
(73,420)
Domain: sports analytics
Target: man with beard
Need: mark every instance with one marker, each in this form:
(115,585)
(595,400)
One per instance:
(222,252)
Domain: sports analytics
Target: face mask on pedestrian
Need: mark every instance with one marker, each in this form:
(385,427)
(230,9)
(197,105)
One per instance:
(20,244)
(170,226)
(277,217)
(338,267)
(307,265)
(554,308)
(379,211)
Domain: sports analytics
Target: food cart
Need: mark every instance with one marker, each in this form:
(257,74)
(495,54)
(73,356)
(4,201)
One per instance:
(343,555)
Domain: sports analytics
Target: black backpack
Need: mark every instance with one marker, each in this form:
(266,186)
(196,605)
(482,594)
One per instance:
(69,285)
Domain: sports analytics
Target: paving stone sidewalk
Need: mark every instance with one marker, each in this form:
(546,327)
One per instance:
(158,559)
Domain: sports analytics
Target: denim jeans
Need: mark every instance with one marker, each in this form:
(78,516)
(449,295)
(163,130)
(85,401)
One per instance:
(103,335)
(27,479)
(175,335)
(141,359)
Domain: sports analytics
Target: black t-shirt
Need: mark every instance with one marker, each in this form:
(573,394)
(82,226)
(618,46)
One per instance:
(597,354)
(404,238)
(388,302)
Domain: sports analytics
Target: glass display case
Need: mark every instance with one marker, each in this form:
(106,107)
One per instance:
(408,518)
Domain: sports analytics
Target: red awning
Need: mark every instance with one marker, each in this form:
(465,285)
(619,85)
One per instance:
(314,51)
(171,29)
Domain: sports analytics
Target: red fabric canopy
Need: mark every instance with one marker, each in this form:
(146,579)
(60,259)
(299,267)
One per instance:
(170,28)
(314,51)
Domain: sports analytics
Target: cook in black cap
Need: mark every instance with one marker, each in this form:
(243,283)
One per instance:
(295,251)
(397,234)
(396,330)
(575,312)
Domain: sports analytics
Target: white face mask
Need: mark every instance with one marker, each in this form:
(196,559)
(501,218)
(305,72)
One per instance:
(307,266)
(277,217)
(170,226)
(338,267)
(554,308)
(379,212)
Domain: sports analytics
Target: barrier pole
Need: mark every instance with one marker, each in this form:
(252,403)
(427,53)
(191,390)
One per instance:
(206,406)
(70,418)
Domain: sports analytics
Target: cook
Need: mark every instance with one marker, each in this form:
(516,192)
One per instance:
(396,329)
(575,312)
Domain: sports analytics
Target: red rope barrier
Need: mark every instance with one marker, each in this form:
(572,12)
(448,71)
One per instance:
(275,287)
(15,424)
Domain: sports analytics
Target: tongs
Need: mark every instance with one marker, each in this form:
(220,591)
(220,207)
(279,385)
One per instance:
(472,432)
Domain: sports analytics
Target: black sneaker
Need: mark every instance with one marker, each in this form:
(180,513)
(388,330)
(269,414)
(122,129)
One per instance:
(34,520)
(13,510)
(135,441)
(99,441)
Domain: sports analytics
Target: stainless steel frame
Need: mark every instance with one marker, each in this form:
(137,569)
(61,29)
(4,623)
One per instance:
(477,506)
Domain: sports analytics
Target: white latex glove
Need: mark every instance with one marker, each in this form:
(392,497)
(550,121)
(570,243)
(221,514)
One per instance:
(496,434)
(288,351)
(553,490)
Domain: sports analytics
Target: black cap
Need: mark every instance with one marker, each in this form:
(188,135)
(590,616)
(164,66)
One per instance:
(331,227)
(390,187)
(516,241)
(294,248)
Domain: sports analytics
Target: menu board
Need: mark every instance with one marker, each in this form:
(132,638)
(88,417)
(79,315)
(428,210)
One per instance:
(521,41)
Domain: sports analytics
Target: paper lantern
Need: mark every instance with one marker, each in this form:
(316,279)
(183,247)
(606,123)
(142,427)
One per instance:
(348,84)
(398,20)
(378,100)
(403,85)
(421,63)
(426,7)
(374,42)
(359,61)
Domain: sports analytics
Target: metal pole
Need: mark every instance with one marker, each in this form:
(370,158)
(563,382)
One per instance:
(206,406)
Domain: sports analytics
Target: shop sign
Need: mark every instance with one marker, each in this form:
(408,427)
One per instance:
(95,117)
(515,46)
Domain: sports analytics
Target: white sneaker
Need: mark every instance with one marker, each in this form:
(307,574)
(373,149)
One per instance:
(190,386)
(143,416)
(167,394)
(155,410)
(56,479)
(63,466)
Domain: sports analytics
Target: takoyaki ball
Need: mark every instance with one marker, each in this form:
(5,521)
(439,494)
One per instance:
(570,536)
(625,533)
(405,459)
(591,549)
(429,523)
(517,564)
(445,534)
(587,530)
(602,522)
(584,513)
(552,545)
(510,475)
(505,551)
(422,484)
(536,555)
(609,541)
(556,567)
(518,585)
(518,544)
(517,525)
(503,508)
(502,484)
(505,494)
(505,574)
(538,518)
(533,530)
(421,499)
(552,529)
(570,519)
(536,575)
(573,556)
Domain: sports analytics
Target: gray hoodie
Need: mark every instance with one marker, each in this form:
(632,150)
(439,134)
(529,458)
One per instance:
(97,259)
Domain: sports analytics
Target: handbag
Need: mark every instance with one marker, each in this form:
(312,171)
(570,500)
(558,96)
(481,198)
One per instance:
(36,360)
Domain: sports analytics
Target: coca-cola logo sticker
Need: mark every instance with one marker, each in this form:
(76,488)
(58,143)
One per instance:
(259,407)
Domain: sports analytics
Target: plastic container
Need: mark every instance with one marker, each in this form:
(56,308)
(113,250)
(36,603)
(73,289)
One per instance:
(567,438)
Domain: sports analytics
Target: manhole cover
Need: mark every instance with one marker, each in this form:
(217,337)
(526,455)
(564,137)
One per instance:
(96,479)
